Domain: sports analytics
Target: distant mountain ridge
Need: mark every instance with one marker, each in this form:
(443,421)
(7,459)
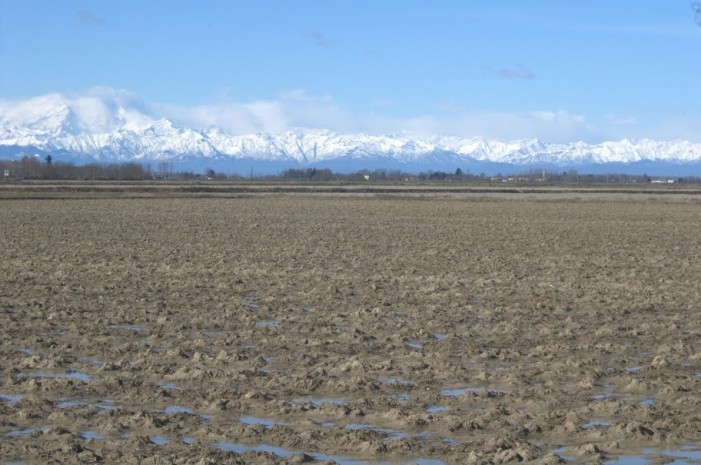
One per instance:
(85,130)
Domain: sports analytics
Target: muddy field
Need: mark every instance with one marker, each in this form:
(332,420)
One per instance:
(373,329)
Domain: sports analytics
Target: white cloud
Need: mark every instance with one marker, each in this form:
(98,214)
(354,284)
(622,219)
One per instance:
(105,109)
(300,109)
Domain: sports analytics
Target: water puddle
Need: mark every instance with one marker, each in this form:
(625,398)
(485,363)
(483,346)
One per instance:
(88,435)
(250,420)
(20,433)
(65,375)
(560,451)
(168,386)
(189,441)
(440,336)
(458,391)
(320,400)
(64,404)
(596,423)
(107,404)
(399,382)
(97,363)
(250,301)
(214,333)
(683,455)
(11,398)
(268,323)
(436,409)
(402,398)
(415,345)
(648,401)
(340,460)
(231,447)
(635,369)
(27,352)
(127,327)
(173,409)
(159,440)
(389,432)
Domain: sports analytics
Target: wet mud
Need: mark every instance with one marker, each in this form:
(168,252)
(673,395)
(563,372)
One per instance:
(297,328)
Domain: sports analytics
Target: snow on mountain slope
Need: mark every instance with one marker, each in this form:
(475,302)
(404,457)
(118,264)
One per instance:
(113,126)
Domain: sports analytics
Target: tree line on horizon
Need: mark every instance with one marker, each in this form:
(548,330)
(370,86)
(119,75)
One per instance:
(34,168)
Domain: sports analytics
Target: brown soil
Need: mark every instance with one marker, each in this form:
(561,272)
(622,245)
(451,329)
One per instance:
(296,327)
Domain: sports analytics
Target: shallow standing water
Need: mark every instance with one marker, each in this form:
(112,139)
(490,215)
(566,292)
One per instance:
(443,330)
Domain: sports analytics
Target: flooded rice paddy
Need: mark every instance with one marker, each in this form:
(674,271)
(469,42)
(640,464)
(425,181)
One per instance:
(351,329)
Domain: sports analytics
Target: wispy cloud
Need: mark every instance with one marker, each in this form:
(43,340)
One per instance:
(520,72)
(87,16)
(620,120)
(101,108)
(319,39)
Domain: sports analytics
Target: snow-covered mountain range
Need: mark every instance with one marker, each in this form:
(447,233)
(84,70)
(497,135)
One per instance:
(90,129)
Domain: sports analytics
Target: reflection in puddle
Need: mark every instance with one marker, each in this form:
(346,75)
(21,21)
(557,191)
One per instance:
(168,386)
(107,404)
(561,450)
(173,409)
(92,435)
(268,323)
(214,333)
(11,398)
(159,440)
(65,375)
(595,423)
(250,420)
(683,455)
(70,403)
(128,327)
(230,447)
(397,382)
(436,409)
(320,400)
(284,453)
(458,391)
(19,433)
(97,363)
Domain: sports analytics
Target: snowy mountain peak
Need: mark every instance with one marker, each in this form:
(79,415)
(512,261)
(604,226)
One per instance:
(108,125)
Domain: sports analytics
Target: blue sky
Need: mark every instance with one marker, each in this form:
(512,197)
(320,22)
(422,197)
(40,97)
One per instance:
(558,70)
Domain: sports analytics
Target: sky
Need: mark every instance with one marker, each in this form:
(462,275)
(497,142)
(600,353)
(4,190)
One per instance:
(560,71)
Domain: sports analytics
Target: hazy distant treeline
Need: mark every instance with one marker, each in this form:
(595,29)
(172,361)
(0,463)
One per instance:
(37,168)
